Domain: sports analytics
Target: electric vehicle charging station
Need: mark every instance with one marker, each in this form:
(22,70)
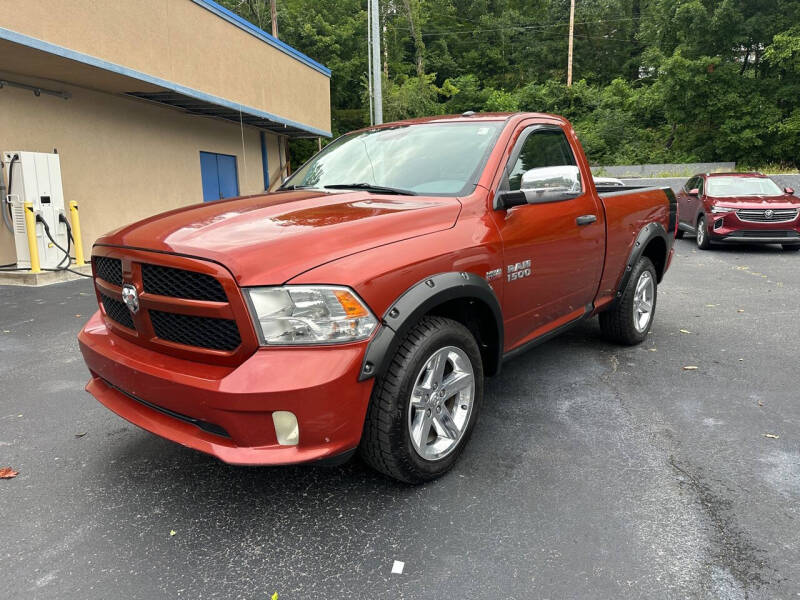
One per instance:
(35,177)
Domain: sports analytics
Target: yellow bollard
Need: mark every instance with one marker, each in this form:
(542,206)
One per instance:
(30,227)
(76,232)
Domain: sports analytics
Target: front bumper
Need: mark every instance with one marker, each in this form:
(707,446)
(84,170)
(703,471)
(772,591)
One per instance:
(728,228)
(227,411)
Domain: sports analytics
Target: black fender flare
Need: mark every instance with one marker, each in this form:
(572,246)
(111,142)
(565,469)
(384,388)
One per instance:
(417,301)
(646,235)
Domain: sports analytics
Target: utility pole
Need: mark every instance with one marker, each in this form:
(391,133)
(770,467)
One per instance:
(377,94)
(571,31)
(274,12)
(369,63)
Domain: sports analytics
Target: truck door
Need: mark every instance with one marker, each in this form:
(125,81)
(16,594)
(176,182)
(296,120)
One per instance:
(553,252)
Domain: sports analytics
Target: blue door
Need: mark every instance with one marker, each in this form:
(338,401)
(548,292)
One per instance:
(220,178)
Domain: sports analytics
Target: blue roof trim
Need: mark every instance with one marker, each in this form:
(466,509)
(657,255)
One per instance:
(247,26)
(37,44)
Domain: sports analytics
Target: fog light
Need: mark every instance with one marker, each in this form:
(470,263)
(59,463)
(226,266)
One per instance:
(286,427)
(718,224)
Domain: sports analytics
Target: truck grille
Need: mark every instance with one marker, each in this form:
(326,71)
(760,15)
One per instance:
(108,269)
(166,281)
(188,307)
(205,332)
(766,215)
(117,311)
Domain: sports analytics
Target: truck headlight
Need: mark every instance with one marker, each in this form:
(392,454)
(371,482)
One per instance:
(296,315)
(721,209)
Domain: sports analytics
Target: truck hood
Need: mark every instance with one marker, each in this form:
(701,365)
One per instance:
(270,238)
(782,201)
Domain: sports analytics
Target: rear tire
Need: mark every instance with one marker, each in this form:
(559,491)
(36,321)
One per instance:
(791,247)
(630,319)
(421,414)
(703,241)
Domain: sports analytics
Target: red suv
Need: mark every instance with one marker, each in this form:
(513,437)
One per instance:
(738,208)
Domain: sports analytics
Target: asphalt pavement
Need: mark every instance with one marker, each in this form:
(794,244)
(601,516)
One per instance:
(595,471)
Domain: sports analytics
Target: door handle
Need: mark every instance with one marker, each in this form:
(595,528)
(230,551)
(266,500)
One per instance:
(586,219)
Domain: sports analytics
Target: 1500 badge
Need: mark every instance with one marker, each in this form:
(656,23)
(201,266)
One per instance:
(519,270)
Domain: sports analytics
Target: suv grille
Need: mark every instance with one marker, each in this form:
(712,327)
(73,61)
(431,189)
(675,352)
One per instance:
(108,269)
(206,332)
(765,233)
(758,215)
(178,283)
(117,311)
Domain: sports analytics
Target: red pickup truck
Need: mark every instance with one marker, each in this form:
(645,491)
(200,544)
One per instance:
(361,306)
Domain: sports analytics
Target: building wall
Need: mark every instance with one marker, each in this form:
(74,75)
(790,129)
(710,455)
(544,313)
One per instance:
(182,42)
(124,159)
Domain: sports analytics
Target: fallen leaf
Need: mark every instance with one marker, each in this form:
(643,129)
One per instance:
(685,331)
(8,473)
(771,436)
(83,433)
(78,316)
(741,360)
(760,403)
(172,532)
(740,310)
(690,368)
(653,350)
(711,305)
(274,596)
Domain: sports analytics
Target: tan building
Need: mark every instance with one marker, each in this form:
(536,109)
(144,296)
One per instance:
(152,104)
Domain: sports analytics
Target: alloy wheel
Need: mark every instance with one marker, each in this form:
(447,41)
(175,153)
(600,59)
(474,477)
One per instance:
(643,298)
(441,403)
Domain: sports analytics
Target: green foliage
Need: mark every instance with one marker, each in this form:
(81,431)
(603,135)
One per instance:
(655,81)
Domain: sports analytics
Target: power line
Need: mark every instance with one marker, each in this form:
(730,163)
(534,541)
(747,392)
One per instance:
(526,27)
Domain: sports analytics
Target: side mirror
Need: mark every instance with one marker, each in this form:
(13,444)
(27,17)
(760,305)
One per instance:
(542,185)
(694,192)
(788,190)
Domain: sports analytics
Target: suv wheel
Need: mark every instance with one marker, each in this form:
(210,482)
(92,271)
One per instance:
(702,234)
(424,407)
(631,317)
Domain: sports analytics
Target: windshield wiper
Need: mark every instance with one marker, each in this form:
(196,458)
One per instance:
(296,187)
(370,188)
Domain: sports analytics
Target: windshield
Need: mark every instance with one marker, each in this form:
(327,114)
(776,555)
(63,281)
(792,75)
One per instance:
(726,187)
(430,158)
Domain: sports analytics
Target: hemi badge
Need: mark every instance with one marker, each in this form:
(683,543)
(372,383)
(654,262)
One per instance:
(493,274)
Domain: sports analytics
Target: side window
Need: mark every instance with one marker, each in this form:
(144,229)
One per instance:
(700,184)
(691,184)
(545,148)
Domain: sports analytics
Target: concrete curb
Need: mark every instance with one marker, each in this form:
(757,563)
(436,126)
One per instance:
(26,278)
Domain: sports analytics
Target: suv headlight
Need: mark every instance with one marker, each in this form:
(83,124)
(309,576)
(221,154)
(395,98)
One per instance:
(299,314)
(721,209)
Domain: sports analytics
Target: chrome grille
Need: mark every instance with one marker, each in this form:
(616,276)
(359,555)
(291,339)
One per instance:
(767,215)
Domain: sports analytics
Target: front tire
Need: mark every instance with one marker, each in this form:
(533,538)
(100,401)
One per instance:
(703,241)
(629,321)
(423,409)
